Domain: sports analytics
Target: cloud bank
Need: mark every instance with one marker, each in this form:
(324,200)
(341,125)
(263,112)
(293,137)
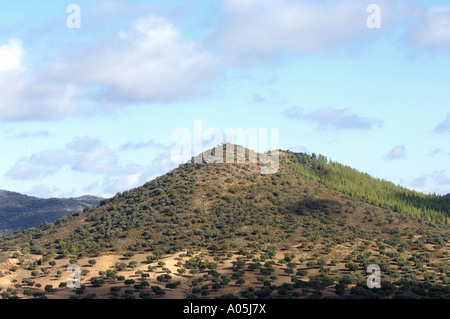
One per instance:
(149,63)
(90,156)
(259,29)
(335,118)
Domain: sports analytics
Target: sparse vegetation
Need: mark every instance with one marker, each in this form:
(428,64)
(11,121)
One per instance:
(205,230)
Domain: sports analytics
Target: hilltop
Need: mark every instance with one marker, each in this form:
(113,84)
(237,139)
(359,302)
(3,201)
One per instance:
(20,212)
(225,230)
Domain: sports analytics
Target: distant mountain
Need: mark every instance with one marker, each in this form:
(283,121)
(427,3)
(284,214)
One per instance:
(19,212)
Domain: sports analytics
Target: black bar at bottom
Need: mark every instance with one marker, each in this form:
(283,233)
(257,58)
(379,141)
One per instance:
(218,308)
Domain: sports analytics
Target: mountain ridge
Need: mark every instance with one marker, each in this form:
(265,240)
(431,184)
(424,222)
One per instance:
(19,211)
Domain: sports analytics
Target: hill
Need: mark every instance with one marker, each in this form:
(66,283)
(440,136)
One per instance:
(226,231)
(19,212)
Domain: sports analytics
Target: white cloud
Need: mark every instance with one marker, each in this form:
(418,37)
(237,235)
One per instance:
(444,127)
(28,94)
(435,152)
(90,188)
(398,152)
(27,134)
(256,30)
(257,99)
(11,55)
(151,62)
(329,117)
(39,165)
(85,155)
(142,145)
(84,144)
(101,160)
(41,191)
(299,149)
(436,182)
(419,182)
(441,178)
(432,28)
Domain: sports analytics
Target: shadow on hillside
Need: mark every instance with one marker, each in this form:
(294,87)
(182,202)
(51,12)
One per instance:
(308,207)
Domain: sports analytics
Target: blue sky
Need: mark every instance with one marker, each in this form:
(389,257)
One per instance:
(92,110)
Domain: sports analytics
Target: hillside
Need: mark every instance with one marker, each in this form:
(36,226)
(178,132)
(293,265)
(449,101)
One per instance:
(224,230)
(19,212)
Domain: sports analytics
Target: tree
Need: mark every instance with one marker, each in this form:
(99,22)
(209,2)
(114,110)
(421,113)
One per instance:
(80,291)
(158,291)
(288,257)
(120,266)
(145,295)
(73,261)
(351,266)
(173,285)
(35,273)
(5,295)
(27,292)
(301,273)
(97,282)
(164,278)
(288,271)
(92,262)
(48,288)
(132,264)
(340,289)
(321,262)
(129,282)
(111,273)
(266,271)
(240,281)
(128,254)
